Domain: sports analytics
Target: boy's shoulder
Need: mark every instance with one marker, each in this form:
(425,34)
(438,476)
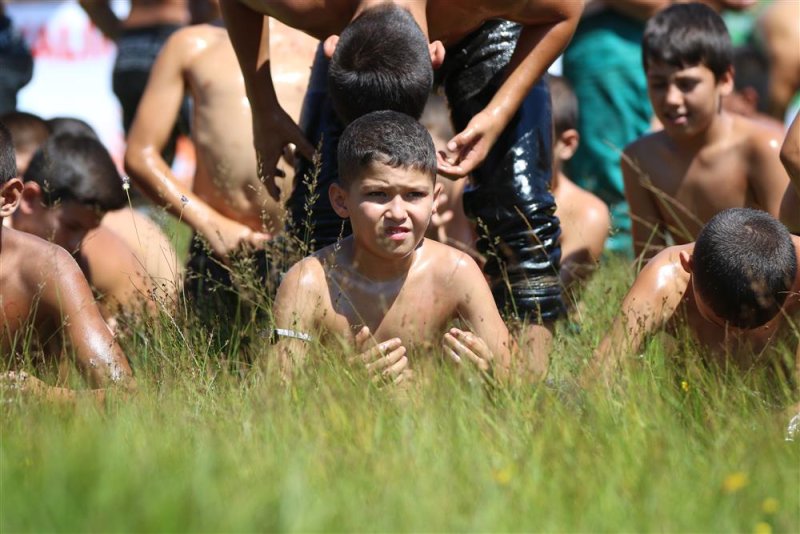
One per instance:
(647,150)
(445,263)
(758,135)
(35,259)
(664,271)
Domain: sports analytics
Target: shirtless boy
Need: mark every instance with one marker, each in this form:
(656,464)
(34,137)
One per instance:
(227,205)
(736,290)
(585,219)
(69,186)
(368,289)
(705,159)
(383,54)
(41,287)
(150,247)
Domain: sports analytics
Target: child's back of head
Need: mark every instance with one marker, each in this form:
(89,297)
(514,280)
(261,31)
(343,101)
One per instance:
(72,126)
(744,264)
(686,35)
(565,105)
(76,168)
(382,61)
(28,132)
(386,137)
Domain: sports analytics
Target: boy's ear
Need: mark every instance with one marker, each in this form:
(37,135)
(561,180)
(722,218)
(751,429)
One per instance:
(329,45)
(567,144)
(31,199)
(686,261)
(437,54)
(10,195)
(725,82)
(338,197)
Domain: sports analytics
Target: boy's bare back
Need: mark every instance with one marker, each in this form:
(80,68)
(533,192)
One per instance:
(688,184)
(41,287)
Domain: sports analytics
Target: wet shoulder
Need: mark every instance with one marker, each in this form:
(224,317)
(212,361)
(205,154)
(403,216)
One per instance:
(446,264)
(757,135)
(38,260)
(664,272)
(307,275)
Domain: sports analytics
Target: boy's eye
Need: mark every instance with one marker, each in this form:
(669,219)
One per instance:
(415,195)
(375,194)
(686,85)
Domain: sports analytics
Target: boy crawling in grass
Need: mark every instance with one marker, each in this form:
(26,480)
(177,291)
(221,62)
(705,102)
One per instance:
(736,289)
(44,296)
(705,159)
(387,289)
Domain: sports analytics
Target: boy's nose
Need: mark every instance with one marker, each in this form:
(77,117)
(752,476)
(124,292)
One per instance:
(396,210)
(674,95)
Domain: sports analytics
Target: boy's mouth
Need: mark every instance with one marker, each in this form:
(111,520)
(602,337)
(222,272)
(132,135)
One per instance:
(397,233)
(676,117)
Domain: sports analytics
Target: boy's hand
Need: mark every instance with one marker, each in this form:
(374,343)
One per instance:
(461,345)
(227,236)
(468,148)
(273,132)
(383,361)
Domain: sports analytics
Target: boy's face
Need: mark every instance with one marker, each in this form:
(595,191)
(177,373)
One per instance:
(686,99)
(389,208)
(65,224)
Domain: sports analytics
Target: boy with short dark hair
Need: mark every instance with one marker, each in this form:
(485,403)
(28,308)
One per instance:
(705,159)
(69,186)
(41,287)
(368,289)
(736,289)
(585,219)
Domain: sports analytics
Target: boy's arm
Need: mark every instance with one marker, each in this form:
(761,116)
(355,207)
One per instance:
(296,314)
(273,128)
(649,304)
(67,297)
(768,179)
(790,157)
(479,311)
(638,9)
(102,16)
(548,26)
(155,117)
(647,228)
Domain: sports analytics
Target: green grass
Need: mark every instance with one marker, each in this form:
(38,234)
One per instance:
(212,446)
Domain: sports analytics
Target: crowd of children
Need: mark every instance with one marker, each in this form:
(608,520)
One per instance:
(710,194)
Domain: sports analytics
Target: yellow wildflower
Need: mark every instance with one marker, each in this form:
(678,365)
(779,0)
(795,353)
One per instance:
(685,385)
(502,476)
(762,528)
(769,506)
(734,482)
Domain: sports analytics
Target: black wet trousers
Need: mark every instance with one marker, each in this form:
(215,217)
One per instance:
(137,49)
(510,194)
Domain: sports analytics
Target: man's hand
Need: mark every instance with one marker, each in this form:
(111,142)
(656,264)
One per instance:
(461,346)
(385,361)
(226,236)
(467,150)
(273,132)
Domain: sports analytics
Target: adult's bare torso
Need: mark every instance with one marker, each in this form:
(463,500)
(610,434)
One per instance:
(448,20)
(417,307)
(693,186)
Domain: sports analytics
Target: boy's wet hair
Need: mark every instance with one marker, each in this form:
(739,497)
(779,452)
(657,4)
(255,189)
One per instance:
(76,168)
(386,137)
(71,126)
(8,160)
(565,105)
(382,61)
(686,35)
(28,131)
(744,265)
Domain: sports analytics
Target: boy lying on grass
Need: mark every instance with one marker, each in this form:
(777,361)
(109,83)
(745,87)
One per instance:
(736,290)
(43,292)
(705,159)
(386,288)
